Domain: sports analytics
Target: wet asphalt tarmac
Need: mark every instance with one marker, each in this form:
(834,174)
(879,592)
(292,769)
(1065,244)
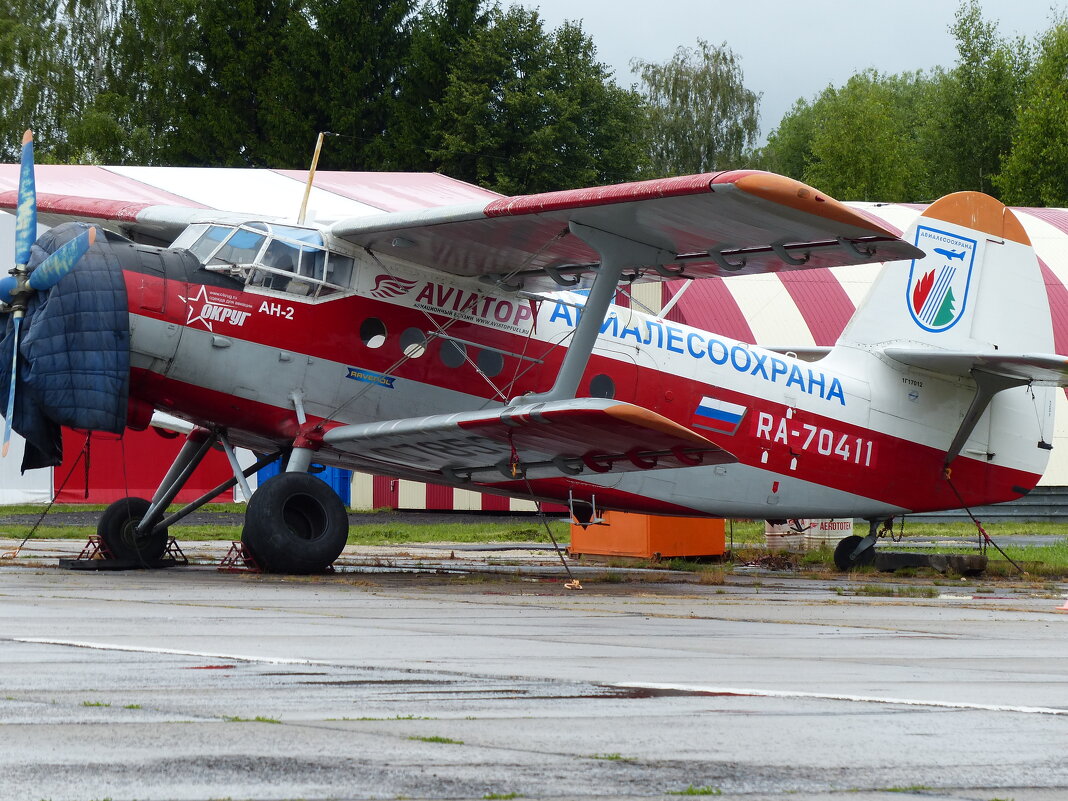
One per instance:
(190,683)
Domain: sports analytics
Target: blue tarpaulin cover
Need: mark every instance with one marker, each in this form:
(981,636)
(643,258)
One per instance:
(74,365)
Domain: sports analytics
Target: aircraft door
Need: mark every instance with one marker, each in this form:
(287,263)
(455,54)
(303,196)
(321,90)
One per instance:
(154,340)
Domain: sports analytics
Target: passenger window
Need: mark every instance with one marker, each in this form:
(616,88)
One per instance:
(490,362)
(601,386)
(453,354)
(373,332)
(413,343)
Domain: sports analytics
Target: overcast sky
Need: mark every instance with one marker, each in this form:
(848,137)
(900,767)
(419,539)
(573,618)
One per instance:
(788,48)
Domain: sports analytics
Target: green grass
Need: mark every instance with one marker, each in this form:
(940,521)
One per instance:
(502,795)
(895,591)
(691,790)
(257,719)
(443,740)
(395,717)
(95,703)
(522,530)
(1051,561)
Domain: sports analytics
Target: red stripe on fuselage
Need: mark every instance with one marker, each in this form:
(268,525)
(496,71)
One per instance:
(893,471)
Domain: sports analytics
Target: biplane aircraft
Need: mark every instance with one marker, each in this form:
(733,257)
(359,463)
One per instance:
(477,345)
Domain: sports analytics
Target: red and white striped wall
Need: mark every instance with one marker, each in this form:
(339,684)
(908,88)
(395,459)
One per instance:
(799,308)
(378,492)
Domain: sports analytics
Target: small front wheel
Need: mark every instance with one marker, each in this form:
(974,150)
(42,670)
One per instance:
(846,556)
(118,529)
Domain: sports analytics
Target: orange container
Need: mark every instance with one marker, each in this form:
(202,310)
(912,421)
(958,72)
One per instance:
(650,536)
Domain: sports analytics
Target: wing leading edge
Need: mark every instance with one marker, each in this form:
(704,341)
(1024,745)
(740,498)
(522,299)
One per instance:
(542,440)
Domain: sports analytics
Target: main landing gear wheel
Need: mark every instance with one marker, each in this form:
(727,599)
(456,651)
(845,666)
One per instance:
(118,529)
(846,559)
(295,523)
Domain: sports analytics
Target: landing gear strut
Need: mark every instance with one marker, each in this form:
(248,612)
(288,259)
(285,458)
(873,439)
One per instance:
(136,529)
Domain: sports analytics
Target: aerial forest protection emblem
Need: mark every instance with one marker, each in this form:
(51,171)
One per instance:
(938,285)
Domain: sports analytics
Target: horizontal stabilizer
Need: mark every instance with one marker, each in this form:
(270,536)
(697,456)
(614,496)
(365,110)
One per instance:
(1040,368)
(542,440)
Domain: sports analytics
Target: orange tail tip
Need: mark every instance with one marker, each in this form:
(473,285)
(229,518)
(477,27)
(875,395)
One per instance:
(27,137)
(980,212)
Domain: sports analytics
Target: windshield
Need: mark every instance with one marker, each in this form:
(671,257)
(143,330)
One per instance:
(279,258)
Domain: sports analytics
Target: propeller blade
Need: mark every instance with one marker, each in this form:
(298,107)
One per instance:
(11,389)
(26,214)
(7,284)
(49,272)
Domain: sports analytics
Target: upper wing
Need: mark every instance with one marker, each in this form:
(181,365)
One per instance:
(729,223)
(1039,368)
(585,435)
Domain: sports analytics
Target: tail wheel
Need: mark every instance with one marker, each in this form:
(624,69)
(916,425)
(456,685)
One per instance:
(295,523)
(118,529)
(846,559)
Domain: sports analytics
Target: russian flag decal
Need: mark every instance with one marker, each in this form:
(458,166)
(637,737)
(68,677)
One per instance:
(718,415)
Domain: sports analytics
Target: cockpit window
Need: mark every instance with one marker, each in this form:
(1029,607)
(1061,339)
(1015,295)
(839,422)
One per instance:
(209,242)
(281,258)
(241,247)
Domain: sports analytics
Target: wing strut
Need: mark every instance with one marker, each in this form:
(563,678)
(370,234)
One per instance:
(617,254)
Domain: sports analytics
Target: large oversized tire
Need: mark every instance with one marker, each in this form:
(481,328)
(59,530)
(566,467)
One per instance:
(117,528)
(843,554)
(295,523)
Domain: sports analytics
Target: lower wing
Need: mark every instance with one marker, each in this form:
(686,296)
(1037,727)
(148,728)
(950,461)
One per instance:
(542,440)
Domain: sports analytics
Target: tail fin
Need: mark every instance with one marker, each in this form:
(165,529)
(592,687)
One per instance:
(979,288)
(974,318)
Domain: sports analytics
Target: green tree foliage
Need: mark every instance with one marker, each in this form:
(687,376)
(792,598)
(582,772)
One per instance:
(439,35)
(488,96)
(863,144)
(530,111)
(789,147)
(351,79)
(701,117)
(912,136)
(34,82)
(1036,171)
(969,121)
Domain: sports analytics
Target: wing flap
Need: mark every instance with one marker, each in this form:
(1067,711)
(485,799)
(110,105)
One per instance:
(1040,368)
(586,435)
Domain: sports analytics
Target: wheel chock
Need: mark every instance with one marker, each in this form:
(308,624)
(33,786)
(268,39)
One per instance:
(239,560)
(96,556)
